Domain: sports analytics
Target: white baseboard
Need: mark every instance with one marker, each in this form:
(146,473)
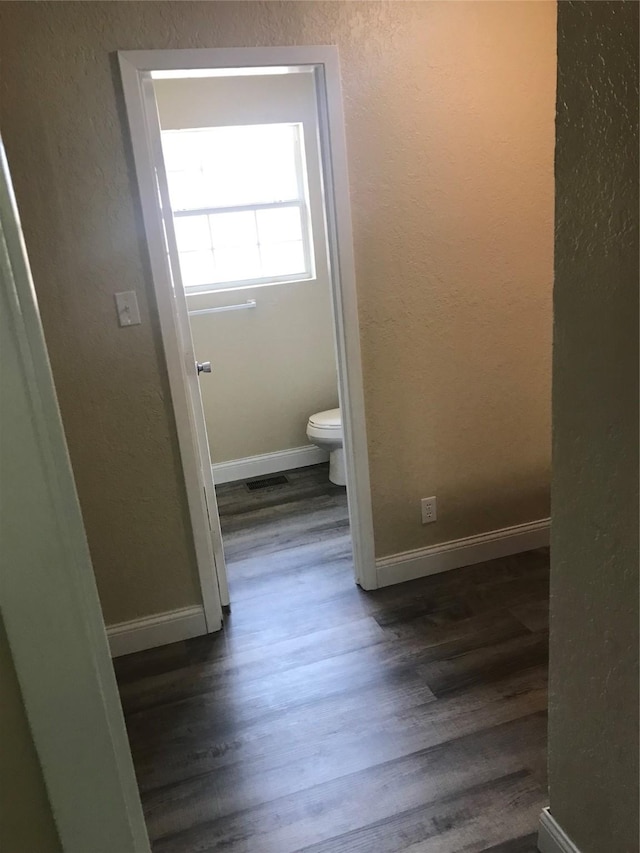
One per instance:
(268,463)
(552,838)
(157,630)
(410,565)
(186,622)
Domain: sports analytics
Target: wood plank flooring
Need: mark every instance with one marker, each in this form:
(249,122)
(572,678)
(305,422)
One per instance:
(328,720)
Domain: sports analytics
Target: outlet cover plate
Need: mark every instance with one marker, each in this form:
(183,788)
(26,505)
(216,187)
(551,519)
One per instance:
(429,509)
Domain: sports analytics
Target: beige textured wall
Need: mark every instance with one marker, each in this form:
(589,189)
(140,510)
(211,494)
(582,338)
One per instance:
(275,365)
(26,822)
(593,722)
(449,119)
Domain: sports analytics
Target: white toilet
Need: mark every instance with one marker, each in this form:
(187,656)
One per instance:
(325,430)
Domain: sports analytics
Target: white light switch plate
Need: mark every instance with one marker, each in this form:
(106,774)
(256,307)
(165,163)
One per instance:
(127,306)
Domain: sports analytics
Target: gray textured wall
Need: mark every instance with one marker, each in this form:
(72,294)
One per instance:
(593,750)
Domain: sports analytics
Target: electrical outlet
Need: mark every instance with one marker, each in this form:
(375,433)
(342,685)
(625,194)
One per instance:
(429,509)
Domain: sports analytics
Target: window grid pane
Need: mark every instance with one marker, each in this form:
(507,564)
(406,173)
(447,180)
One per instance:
(197,268)
(279,225)
(233,229)
(282,258)
(257,168)
(192,233)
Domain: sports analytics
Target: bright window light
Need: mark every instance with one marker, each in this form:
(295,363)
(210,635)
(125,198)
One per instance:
(240,205)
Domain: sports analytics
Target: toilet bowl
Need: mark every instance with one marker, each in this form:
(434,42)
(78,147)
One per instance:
(325,430)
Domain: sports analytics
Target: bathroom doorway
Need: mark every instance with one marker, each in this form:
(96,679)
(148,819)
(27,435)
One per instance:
(241,163)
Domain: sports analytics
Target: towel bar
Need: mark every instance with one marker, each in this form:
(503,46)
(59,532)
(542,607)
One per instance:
(250,303)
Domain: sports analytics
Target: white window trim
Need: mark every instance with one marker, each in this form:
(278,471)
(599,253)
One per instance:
(301,201)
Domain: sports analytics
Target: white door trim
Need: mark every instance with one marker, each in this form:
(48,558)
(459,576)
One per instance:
(48,596)
(136,83)
(136,66)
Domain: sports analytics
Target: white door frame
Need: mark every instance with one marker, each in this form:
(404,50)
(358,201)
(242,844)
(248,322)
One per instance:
(176,336)
(137,68)
(48,597)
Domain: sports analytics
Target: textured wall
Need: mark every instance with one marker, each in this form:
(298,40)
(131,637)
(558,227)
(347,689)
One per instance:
(449,119)
(275,365)
(272,367)
(593,746)
(26,822)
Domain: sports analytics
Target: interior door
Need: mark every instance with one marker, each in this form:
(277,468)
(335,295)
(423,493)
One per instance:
(183,329)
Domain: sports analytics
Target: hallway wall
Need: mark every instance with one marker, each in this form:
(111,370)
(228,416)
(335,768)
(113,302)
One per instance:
(594,691)
(449,121)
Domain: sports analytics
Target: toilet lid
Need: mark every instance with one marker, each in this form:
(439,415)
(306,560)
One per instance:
(326,420)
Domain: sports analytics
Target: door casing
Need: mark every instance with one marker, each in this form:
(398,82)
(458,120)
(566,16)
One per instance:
(137,69)
(48,597)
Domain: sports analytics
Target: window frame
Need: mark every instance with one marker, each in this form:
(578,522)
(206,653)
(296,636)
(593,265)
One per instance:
(301,202)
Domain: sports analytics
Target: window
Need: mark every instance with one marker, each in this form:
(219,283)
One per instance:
(239,201)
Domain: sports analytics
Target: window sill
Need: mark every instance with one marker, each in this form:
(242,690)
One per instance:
(192,293)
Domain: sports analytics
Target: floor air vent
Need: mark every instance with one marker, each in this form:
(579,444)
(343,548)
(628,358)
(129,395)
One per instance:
(265,482)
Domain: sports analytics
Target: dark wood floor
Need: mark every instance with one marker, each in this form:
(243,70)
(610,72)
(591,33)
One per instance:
(328,720)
